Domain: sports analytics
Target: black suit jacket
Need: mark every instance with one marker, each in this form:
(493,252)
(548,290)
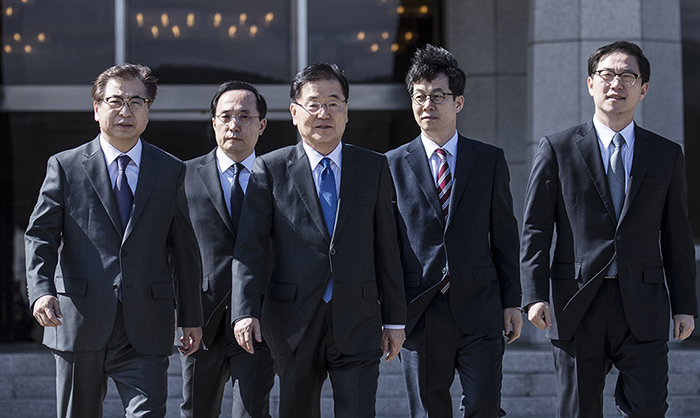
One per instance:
(282,206)
(479,240)
(155,261)
(216,233)
(568,191)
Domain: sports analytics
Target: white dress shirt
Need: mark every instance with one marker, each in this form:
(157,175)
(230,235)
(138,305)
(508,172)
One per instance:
(607,148)
(132,170)
(225,164)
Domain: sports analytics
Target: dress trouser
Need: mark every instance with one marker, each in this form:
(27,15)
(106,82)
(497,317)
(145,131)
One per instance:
(205,373)
(353,377)
(432,352)
(81,378)
(602,340)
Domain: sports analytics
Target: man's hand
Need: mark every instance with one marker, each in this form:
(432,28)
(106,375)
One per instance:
(392,340)
(539,315)
(190,340)
(512,323)
(47,311)
(245,329)
(683,326)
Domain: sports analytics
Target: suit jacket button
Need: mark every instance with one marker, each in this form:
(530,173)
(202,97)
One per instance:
(332,251)
(444,270)
(448,240)
(618,237)
(115,287)
(124,253)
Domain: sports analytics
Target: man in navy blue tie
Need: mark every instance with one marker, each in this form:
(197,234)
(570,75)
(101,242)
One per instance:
(324,209)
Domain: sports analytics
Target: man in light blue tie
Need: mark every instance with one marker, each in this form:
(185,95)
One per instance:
(334,300)
(623,254)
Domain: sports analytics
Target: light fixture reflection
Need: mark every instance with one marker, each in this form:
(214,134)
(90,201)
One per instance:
(139,19)
(17,37)
(400,10)
(164,20)
(268,19)
(423,9)
(394,47)
(361,36)
(385,35)
(154,31)
(217,20)
(176,31)
(253,31)
(190,20)
(8,49)
(41,37)
(28,49)
(232,31)
(408,36)
(242,19)
(374,48)
(9,11)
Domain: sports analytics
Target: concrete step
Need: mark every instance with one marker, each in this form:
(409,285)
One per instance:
(27,386)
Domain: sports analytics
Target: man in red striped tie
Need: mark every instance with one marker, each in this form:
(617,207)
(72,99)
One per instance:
(459,243)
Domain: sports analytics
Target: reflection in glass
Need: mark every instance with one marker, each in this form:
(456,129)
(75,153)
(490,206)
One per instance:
(214,40)
(372,40)
(56,42)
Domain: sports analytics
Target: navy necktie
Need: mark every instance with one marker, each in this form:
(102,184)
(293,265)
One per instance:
(237,195)
(328,196)
(616,182)
(122,191)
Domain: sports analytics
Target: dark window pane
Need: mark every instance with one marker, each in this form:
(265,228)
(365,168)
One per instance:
(210,41)
(372,40)
(56,42)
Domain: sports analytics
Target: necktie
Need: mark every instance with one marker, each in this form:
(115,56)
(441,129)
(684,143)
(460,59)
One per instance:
(616,181)
(328,196)
(122,191)
(444,188)
(237,195)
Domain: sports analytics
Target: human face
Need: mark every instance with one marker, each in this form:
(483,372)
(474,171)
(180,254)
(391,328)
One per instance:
(614,102)
(324,130)
(122,127)
(237,141)
(438,122)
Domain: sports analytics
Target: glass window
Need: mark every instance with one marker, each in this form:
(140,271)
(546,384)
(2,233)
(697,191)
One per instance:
(209,41)
(372,40)
(56,42)
(690,32)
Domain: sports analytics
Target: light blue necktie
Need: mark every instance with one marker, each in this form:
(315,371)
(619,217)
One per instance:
(328,197)
(616,181)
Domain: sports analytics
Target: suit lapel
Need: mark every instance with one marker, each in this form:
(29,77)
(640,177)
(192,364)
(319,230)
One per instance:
(148,173)
(640,162)
(208,173)
(417,160)
(300,173)
(466,157)
(349,181)
(97,172)
(587,144)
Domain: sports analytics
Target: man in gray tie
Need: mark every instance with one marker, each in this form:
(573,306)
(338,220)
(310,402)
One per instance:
(323,207)
(214,185)
(623,255)
(111,256)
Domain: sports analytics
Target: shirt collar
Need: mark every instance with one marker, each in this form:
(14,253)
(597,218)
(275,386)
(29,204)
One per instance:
(605,134)
(225,162)
(112,153)
(315,157)
(430,146)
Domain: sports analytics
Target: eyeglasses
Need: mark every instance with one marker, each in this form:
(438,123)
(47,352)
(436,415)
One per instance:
(628,79)
(135,104)
(437,97)
(314,108)
(242,120)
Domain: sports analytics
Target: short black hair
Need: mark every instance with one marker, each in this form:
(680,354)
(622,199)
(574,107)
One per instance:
(431,61)
(261,104)
(317,72)
(626,48)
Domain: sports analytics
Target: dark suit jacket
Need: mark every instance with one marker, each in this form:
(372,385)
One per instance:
(282,205)
(155,261)
(479,241)
(568,189)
